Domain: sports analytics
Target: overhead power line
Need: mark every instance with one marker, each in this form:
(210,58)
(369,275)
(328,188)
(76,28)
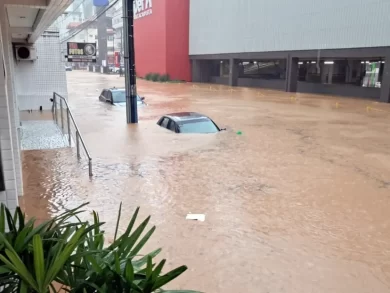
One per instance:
(69,14)
(87,23)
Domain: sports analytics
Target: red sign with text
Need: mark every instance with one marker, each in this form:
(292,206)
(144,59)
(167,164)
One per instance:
(117,59)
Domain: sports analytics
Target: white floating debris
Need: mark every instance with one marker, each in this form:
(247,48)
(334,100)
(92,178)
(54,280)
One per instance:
(196,217)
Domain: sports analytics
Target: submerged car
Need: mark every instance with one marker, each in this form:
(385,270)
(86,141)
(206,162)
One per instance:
(117,96)
(188,122)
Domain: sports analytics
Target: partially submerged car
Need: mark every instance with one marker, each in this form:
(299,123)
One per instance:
(117,96)
(188,122)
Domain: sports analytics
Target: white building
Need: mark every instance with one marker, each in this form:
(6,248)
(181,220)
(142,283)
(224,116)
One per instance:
(25,84)
(117,24)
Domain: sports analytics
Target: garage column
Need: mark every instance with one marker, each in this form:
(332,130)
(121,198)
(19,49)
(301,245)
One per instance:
(233,72)
(323,72)
(330,73)
(196,71)
(292,74)
(385,86)
(221,67)
(349,71)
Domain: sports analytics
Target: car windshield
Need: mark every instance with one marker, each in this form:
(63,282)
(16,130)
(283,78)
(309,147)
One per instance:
(199,127)
(120,97)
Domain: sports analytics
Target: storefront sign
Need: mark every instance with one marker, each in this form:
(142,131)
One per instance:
(117,59)
(142,8)
(81,52)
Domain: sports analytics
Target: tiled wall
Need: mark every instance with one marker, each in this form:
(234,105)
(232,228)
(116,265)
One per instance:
(36,80)
(13,109)
(7,128)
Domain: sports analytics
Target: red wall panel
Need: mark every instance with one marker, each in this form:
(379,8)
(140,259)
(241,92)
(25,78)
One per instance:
(162,40)
(150,41)
(178,26)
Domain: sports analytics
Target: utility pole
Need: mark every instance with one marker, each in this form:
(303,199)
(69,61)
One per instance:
(129,60)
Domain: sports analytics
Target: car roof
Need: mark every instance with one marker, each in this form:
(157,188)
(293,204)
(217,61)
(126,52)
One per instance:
(187,116)
(116,89)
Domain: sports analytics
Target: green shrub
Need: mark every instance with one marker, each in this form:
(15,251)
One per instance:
(148,76)
(155,77)
(164,78)
(73,254)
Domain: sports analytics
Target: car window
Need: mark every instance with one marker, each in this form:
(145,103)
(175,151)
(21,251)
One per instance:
(172,126)
(119,96)
(199,127)
(165,122)
(109,96)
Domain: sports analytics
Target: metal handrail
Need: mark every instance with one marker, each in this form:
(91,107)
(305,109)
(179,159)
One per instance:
(78,134)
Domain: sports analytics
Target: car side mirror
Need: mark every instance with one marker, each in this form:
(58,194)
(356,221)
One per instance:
(222,129)
(142,98)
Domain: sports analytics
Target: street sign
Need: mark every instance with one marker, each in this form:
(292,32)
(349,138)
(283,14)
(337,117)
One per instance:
(81,52)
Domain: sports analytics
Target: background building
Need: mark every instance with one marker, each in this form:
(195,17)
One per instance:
(79,24)
(334,47)
(161,30)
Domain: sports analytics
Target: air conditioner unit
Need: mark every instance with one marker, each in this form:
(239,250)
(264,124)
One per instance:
(25,53)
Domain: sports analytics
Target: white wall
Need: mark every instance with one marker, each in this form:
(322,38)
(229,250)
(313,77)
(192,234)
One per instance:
(10,143)
(36,80)
(234,26)
(10,154)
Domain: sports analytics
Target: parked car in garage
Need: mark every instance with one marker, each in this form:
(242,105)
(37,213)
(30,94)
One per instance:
(116,69)
(117,96)
(188,122)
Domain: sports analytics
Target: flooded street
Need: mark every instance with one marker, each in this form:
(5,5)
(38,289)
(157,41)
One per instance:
(299,202)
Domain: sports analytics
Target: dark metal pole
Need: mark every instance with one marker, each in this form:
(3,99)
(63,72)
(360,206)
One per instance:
(130,78)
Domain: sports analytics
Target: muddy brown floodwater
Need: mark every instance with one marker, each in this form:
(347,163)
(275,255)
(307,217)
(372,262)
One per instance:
(298,203)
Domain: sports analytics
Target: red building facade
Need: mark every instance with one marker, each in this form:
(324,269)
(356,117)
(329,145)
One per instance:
(162,39)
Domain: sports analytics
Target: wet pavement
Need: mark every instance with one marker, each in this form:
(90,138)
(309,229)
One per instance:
(299,202)
(41,134)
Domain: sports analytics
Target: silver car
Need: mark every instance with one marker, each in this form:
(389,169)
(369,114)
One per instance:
(117,97)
